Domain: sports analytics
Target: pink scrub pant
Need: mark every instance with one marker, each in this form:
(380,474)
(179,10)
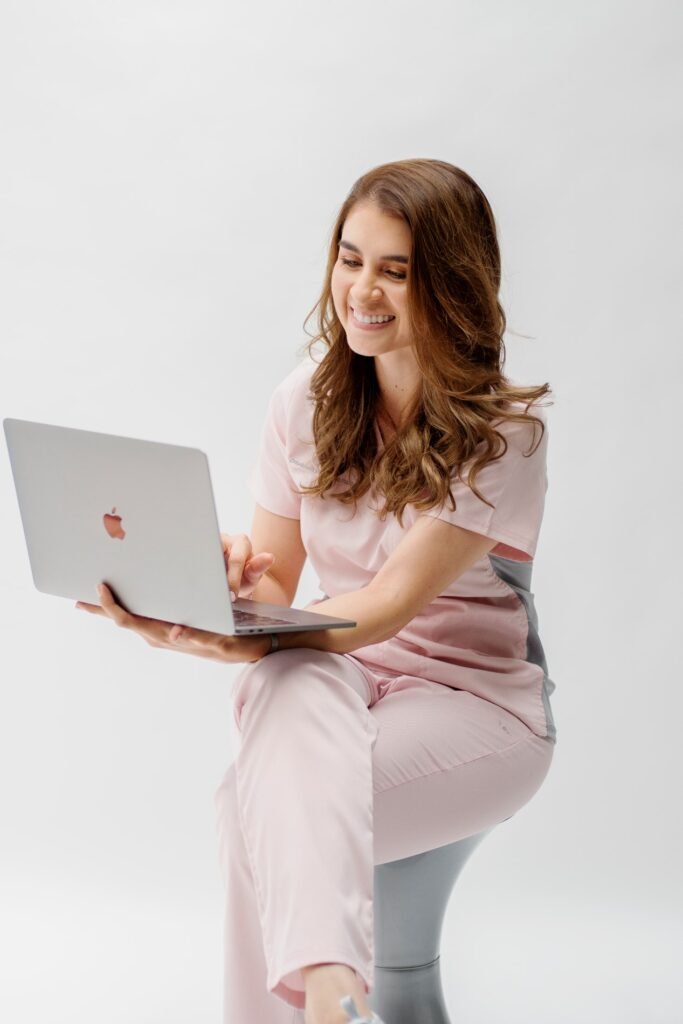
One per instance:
(339,769)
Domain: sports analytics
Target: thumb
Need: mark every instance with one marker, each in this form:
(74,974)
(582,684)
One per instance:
(258,564)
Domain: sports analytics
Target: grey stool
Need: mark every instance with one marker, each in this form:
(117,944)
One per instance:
(410,900)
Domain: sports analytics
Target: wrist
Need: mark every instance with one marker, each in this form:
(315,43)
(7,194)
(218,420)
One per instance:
(265,645)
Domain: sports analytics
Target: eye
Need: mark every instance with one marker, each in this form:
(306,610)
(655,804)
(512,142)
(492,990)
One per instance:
(397,274)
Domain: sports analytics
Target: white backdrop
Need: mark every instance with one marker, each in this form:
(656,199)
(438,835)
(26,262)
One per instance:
(169,178)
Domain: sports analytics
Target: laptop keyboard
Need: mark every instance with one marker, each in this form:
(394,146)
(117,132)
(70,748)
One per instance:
(243,618)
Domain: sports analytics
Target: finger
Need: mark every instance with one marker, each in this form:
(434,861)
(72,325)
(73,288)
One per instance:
(154,631)
(260,562)
(239,553)
(255,568)
(94,609)
(114,610)
(257,565)
(235,544)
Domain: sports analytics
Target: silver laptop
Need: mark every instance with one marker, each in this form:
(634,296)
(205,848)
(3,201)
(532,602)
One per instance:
(139,516)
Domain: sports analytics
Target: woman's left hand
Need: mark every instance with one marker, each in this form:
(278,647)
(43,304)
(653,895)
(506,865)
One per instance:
(173,637)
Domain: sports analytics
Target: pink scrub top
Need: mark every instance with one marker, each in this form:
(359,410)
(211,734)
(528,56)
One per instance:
(481,633)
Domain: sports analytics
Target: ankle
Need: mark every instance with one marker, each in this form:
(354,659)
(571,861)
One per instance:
(326,984)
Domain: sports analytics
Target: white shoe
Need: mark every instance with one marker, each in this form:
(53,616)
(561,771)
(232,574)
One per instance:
(348,1004)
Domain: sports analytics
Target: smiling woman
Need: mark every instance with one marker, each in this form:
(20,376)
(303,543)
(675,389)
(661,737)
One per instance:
(415,244)
(441,682)
(429,720)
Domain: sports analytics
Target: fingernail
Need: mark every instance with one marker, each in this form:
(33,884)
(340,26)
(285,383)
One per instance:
(233,595)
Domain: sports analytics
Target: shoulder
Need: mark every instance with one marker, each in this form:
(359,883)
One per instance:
(527,434)
(290,408)
(523,458)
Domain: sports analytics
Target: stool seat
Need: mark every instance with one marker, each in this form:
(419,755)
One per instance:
(410,900)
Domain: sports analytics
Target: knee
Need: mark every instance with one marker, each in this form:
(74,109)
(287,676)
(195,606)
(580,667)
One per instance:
(294,682)
(275,675)
(284,664)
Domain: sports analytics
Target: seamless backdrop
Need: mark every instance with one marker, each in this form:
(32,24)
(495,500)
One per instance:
(169,177)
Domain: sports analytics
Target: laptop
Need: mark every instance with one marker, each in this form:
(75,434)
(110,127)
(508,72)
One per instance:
(139,516)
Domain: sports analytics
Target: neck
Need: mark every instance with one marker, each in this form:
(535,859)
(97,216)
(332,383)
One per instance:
(392,408)
(398,380)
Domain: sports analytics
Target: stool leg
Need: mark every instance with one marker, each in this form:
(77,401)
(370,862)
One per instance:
(408,995)
(411,896)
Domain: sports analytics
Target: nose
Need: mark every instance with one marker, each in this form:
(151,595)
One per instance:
(365,290)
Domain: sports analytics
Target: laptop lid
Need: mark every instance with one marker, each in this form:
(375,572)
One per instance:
(139,515)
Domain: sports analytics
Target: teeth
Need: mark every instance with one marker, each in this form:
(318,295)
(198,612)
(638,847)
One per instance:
(371,319)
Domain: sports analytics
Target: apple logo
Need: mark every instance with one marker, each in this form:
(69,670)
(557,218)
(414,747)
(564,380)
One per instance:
(112,524)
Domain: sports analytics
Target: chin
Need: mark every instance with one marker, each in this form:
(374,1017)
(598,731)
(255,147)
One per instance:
(362,350)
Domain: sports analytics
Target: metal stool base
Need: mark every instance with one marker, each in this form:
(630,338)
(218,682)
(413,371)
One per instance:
(409,995)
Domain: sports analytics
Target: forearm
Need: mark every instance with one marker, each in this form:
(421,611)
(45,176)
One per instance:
(377,613)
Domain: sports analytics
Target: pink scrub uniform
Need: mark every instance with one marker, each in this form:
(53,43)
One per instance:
(346,761)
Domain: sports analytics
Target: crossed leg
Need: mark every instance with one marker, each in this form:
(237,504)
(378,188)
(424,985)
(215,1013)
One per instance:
(335,773)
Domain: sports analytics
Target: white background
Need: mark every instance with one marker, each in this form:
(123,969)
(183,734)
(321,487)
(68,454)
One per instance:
(169,178)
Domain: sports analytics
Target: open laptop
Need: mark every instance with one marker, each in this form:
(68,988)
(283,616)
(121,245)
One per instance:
(139,516)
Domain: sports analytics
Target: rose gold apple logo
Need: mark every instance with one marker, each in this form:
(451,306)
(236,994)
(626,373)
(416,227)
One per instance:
(112,524)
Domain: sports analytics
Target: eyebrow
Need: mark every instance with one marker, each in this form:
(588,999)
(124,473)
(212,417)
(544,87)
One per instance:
(354,248)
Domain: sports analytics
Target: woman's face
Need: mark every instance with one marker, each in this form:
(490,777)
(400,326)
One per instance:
(370,279)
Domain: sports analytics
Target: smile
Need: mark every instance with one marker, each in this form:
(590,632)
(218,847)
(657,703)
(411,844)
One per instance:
(371,321)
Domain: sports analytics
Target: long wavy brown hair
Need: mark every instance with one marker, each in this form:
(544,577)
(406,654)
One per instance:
(457,323)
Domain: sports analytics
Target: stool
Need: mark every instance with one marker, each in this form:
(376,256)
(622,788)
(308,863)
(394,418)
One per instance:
(410,900)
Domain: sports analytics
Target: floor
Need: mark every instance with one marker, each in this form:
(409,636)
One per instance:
(80,955)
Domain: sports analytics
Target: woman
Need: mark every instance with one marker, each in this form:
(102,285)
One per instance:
(407,467)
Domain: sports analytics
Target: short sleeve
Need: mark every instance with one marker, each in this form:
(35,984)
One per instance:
(515,484)
(270,482)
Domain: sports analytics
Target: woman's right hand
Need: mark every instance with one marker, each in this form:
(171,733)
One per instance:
(244,569)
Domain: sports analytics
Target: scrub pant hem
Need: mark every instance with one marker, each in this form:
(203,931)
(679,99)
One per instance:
(291,974)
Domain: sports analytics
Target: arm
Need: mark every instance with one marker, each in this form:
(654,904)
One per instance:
(280,536)
(428,559)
